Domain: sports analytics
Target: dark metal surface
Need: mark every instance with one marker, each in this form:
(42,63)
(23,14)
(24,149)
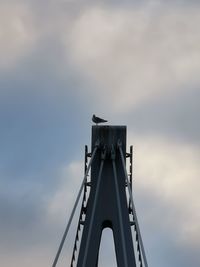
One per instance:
(107,204)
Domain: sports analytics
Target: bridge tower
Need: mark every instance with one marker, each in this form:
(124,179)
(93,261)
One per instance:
(105,202)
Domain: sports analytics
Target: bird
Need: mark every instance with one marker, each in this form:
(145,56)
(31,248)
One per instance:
(97,119)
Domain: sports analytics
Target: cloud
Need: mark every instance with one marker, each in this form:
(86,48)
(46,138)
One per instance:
(34,217)
(111,53)
(136,63)
(172,116)
(133,55)
(166,191)
(70,178)
(17,33)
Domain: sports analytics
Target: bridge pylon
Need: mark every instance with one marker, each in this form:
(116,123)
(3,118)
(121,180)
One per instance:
(105,202)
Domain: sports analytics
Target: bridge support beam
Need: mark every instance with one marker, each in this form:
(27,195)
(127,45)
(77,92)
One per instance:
(107,203)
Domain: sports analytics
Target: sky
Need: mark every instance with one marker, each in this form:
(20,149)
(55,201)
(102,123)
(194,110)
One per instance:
(135,63)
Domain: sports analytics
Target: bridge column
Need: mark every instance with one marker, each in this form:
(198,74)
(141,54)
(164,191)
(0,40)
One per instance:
(107,202)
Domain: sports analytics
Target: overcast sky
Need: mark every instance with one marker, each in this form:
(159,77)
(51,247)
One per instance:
(136,63)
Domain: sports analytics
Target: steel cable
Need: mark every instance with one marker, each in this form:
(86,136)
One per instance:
(75,206)
(133,206)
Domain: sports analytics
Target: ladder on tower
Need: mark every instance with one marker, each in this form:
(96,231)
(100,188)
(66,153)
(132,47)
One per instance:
(82,212)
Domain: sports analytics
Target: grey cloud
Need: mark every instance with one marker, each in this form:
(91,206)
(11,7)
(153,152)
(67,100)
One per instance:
(45,122)
(130,57)
(173,116)
(169,227)
(39,122)
(162,244)
(36,111)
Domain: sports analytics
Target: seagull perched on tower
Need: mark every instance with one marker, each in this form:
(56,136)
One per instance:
(97,119)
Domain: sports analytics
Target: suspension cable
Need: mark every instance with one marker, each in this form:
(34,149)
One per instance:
(133,206)
(75,205)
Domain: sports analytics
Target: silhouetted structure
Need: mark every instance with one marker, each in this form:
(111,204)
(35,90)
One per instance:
(105,202)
